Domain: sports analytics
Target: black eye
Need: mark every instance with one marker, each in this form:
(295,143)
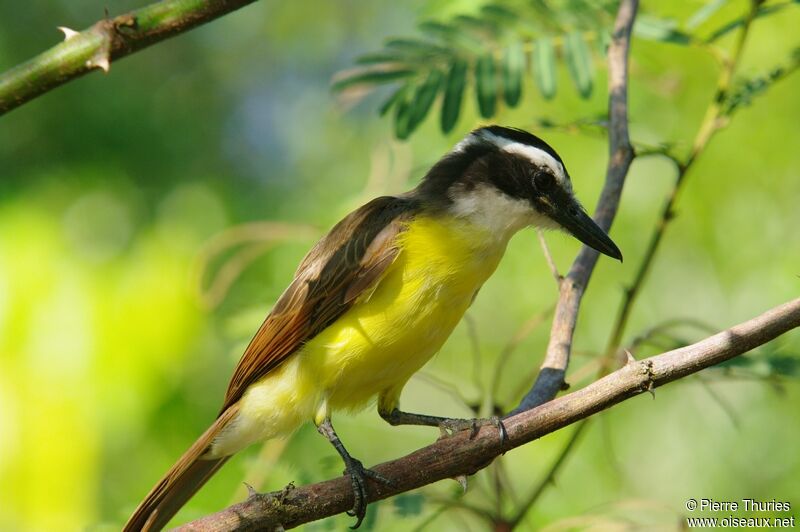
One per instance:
(543,181)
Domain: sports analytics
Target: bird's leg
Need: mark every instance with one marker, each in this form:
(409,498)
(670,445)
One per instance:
(447,426)
(358,473)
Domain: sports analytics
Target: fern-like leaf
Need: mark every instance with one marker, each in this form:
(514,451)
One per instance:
(495,51)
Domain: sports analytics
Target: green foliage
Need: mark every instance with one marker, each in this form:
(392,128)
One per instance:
(545,70)
(763,11)
(113,187)
(744,91)
(494,52)
(704,13)
(491,54)
(763,365)
(659,29)
(408,504)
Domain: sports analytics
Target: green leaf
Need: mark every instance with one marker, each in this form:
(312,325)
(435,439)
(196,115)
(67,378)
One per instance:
(499,13)
(584,14)
(453,94)
(438,30)
(379,57)
(704,13)
(544,67)
(657,29)
(452,35)
(603,42)
(371,76)
(734,24)
(415,47)
(486,85)
(393,99)
(402,119)
(513,65)
(408,504)
(579,62)
(769,365)
(542,7)
(785,366)
(746,90)
(423,99)
(478,24)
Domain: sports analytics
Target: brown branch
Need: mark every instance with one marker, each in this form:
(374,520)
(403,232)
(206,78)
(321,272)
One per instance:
(460,455)
(106,41)
(620,155)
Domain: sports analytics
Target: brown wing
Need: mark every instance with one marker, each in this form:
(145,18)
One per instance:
(346,263)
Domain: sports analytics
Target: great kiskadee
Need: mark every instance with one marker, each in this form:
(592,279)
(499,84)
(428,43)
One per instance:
(373,301)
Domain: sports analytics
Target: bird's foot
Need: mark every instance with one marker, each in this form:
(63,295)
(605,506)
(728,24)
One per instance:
(358,476)
(450,427)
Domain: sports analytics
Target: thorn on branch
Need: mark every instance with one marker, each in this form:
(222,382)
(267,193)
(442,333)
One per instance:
(69,33)
(99,62)
(102,57)
(649,384)
(251,491)
(629,358)
(111,32)
(285,492)
(462,481)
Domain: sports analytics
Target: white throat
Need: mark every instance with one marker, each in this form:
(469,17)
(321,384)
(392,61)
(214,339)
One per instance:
(490,209)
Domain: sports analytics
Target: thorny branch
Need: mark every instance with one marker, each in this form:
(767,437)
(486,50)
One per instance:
(106,41)
(620,151)
(459,454)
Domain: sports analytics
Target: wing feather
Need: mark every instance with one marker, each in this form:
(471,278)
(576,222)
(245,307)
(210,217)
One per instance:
(344,265)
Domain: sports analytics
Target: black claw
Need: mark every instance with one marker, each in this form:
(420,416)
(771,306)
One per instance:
(358,476)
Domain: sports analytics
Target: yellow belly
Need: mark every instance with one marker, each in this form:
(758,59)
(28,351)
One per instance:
(375,347)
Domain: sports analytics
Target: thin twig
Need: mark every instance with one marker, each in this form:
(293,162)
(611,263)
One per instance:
(549,257)
(554,367)
(446,387)
(96,47)
(712,122)
(431,518)
(525,330)
(477,366)
(465,453)
(550,477)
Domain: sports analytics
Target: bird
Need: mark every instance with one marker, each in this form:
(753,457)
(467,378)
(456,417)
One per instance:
(375,299)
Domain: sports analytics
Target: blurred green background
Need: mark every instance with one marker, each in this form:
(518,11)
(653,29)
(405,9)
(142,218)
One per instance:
(150,217)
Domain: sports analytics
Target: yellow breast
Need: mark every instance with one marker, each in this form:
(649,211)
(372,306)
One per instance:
(385,338)
(388,335)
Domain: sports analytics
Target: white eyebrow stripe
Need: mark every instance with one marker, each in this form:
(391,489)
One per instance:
(535,155)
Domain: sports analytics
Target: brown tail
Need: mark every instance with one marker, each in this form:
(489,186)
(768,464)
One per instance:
(181,482)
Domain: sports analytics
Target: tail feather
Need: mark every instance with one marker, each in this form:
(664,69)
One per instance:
(182,481)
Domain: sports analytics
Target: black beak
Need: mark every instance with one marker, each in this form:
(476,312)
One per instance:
(571,216)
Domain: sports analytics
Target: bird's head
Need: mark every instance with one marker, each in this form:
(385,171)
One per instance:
(506,179)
